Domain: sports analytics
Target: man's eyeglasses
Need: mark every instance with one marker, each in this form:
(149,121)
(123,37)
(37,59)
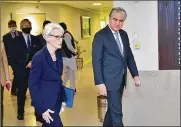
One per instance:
(57,37)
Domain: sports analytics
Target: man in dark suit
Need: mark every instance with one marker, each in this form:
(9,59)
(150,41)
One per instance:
(43,42)
(8,40)
(111,55)
(25,47)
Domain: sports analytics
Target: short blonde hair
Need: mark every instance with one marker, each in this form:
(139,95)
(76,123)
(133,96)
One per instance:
(49,29)
(23,22)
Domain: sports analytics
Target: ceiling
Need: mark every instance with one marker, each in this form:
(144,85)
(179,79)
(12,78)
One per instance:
(84,4)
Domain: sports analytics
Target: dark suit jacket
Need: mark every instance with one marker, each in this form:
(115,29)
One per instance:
(45,82)
(42,40)
(21,56)
(8,43)
(109,67)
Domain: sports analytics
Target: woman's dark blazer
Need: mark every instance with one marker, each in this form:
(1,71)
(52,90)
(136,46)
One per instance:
(45,82)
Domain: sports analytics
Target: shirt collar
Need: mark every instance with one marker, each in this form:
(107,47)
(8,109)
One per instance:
(111,30)
(14,33)
(25,35)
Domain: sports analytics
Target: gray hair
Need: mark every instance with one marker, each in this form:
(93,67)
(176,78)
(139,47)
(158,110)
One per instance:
(117,9)
(49,29)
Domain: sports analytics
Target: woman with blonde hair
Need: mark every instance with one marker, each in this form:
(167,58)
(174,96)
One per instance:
(5,77)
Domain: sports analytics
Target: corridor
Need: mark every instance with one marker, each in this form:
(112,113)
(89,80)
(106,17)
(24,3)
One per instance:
(155,103)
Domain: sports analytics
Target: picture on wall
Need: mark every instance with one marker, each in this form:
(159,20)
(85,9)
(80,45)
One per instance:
(85,26)
(36,20)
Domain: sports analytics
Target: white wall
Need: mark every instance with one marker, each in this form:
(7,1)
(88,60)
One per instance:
(143,19)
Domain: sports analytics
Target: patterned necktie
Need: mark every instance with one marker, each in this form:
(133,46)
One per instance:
(119,43)
(28,42)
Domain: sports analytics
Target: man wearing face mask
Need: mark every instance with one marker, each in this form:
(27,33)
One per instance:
(25,47)
(8,40)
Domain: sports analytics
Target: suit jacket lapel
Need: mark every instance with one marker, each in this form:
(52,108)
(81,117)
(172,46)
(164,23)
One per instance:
(50,61)
(112,39)
(23,42)
(58,61)
(32,42)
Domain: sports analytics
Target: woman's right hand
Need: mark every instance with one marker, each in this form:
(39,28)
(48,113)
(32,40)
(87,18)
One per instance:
(46,116)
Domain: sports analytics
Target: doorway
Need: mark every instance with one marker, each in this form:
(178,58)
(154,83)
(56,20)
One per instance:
(169,34)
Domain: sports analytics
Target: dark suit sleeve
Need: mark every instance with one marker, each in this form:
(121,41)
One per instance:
(130,60)
(34,79)
(97,54)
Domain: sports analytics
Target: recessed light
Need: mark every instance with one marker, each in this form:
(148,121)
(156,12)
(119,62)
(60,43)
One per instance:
(96,4)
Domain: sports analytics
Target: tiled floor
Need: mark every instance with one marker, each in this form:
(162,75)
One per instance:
(83,113)
(156,102)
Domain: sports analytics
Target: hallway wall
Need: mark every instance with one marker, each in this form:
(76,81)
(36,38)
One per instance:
(156,102)
(56,13)
(143,19)
(71,16)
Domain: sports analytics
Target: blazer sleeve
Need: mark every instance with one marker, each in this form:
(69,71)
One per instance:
(5,63)
(34,79)
(97,54)
(130,60)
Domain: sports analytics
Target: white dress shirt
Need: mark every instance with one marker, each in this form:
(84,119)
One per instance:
(120,40)
(26,37)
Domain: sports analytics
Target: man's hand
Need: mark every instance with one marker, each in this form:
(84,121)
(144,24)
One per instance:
(46,116)
(137,81)
(102,89)
(29,65)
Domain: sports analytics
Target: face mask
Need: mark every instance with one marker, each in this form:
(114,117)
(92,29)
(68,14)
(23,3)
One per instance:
(27,30)
(12,29)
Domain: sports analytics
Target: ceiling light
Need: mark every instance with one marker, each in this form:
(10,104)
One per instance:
(96,4)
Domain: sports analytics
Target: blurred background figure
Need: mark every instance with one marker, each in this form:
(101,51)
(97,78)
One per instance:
(5,77)
(69,62)
(40,36)
(8,40)
(25,47)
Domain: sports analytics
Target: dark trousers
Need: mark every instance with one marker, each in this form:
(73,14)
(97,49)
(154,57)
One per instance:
(21,93)
(55,116)
(56,120)
(14,85)
(38,116)
(2,107)
(114,113)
